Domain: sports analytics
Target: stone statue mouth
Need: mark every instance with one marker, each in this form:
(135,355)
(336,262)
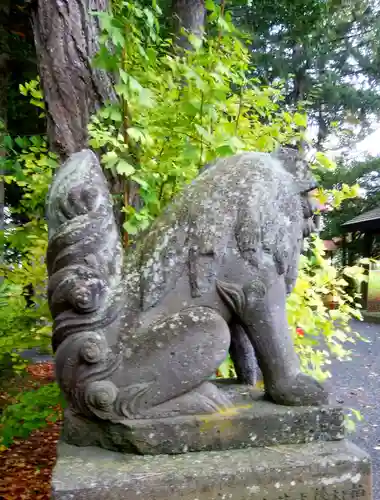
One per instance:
(312,186)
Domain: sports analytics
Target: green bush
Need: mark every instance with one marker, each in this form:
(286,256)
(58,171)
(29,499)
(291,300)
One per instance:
(33,410)
(25,324)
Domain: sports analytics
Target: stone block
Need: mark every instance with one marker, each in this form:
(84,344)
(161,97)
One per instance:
(313,471)
(253,422)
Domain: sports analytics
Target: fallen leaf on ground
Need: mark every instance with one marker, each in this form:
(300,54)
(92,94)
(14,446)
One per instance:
(27,465)
(42,371)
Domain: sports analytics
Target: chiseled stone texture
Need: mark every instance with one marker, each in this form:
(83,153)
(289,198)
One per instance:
(138,335)
(253,422)
(317,471)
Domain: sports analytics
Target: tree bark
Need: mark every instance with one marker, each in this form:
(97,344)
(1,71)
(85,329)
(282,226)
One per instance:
(4,80)
(66,37)
(189,15)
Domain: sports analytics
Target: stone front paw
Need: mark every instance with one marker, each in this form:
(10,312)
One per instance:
(301,390)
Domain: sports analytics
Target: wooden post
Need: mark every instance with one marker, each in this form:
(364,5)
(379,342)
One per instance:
(367,251)
(344,251)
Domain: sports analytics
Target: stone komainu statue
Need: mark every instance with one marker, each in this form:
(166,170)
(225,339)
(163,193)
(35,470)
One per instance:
(140,335)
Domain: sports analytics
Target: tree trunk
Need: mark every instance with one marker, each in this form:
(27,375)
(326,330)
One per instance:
(4,80)
(300,67)
(322,129)
(189,15)
(66,37)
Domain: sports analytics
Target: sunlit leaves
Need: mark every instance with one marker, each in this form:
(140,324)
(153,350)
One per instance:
(203,105)
(195,41)
(309,308)
(110,159)
(124,168)
(181,111)
(324,162)
(23,324)
(32,89)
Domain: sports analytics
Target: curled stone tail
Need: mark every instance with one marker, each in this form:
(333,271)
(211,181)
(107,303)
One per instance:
(84,262)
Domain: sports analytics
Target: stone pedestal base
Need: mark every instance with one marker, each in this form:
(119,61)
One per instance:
(314,471)
(252,422)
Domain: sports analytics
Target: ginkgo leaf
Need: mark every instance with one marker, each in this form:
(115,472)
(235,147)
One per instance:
(124,168)
(136,134)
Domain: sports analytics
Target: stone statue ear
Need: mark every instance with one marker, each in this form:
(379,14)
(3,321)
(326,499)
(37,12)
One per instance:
(293,160)
(300,149)
(287,155)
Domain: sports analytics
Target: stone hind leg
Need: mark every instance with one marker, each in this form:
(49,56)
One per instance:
(267,326)
(167,366)
(243,355)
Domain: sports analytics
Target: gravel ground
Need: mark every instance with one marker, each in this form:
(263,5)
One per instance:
(35,356)
(356,384)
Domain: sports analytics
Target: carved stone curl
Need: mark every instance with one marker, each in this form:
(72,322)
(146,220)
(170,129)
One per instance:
(94,349)
(141,338)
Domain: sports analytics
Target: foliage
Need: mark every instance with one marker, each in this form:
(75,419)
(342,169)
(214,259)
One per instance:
(364,173)
(14,327)
(24,317)
(33,410)
(22,118)
(27,464)
(32,89)
(328,54)
(177,112)
(326,331)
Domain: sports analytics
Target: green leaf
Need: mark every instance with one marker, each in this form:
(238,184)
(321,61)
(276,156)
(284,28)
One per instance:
(115,115)
(195,41)
(225,368)
(136,134)
(205,134)
(222,23)
(324,161)
(300,120)
(8,142)
(236,144)
(110,159)
(130,228)
(124,168)
(140,181)
(225,150)
(149,17)
(117,37)
(210,5)
(357,414)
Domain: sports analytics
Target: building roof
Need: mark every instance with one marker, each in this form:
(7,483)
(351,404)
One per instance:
(367,221)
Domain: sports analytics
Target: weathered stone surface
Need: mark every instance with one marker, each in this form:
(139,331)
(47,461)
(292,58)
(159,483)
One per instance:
(253,422)
(138,336)
(318,471)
